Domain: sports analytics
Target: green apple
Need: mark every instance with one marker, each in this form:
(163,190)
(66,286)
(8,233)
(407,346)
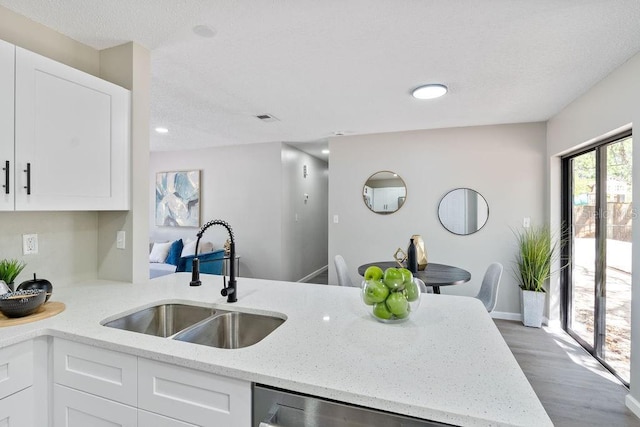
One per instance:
(397,304)
(403,316)
(373,273)
(374,291)
(412,291)
(381,311)
(407,276)
(393,279)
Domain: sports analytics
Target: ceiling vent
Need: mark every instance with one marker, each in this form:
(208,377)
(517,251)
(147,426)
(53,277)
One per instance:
(267,117)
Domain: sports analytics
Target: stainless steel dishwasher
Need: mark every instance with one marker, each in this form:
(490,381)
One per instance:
(280,408)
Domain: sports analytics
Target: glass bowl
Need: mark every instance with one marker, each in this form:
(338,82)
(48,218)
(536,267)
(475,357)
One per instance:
(394,303)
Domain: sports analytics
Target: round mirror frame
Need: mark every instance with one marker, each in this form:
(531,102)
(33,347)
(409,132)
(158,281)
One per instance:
(366,199)
(478,227)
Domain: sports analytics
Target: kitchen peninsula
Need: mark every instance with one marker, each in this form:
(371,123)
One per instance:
(447,363)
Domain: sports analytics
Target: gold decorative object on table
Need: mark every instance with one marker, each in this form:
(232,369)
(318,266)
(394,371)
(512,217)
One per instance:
(400,256)
(227,247)
(421,252)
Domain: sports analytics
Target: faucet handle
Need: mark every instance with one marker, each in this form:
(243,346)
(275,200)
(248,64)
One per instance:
(195,273)
(226,290)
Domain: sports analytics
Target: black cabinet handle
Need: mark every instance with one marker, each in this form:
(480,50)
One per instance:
(28,171)
(6,177)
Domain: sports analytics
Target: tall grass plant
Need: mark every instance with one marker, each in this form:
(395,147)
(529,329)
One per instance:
(538,251)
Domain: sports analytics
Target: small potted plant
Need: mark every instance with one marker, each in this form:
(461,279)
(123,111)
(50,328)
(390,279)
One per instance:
(538,251)
(9,270)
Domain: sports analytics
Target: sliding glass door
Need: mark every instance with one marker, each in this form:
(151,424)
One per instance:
(597,285)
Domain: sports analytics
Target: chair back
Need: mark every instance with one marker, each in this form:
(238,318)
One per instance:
(342,271)
(489,288)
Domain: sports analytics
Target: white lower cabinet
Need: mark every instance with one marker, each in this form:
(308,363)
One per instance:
(16,368)
(99,387)
(16,392)
(193,396)
(73,408)
(18,409)
(149,419)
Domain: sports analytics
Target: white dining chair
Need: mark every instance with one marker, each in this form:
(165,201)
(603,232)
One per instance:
(488,293)
(342,271)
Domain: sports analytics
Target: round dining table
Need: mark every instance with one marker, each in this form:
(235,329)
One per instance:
(434,275)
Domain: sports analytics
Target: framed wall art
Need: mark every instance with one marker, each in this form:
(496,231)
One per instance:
(178,199)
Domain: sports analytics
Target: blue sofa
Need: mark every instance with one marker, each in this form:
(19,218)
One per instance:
(210,262)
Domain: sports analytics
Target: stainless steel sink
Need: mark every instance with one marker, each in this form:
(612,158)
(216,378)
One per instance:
(231,330)
(162,320)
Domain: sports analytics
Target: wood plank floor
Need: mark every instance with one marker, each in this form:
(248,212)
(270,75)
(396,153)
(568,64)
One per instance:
(573,387)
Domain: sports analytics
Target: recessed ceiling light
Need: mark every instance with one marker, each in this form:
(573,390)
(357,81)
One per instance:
(325,151)
(162,130)
(204,31)
(429,91)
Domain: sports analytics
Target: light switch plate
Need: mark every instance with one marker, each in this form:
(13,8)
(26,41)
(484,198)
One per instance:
(121,239)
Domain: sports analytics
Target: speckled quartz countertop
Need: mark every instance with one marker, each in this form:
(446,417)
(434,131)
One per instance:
(447,363)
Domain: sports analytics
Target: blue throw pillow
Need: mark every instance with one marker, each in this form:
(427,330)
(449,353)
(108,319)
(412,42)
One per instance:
(174,252)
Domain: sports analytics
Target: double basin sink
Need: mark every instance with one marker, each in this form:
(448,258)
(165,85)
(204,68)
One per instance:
(199,325)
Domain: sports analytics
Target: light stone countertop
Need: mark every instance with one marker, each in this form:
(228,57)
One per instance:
(447,363)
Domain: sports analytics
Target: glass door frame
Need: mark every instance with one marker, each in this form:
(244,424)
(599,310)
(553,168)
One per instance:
(600,149)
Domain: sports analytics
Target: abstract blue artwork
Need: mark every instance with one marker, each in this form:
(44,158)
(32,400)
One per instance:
(178,199)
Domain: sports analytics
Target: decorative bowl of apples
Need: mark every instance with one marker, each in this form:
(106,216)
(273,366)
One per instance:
(391,295)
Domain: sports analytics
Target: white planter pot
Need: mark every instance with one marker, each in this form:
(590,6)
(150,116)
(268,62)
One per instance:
(532,308)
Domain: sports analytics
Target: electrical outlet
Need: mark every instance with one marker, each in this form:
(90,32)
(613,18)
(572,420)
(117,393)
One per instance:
(335,219)
(526,222)
(29,244)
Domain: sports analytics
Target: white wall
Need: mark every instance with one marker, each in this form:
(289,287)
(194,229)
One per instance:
(505,163)
(304,223)
(254,187)
(611,105)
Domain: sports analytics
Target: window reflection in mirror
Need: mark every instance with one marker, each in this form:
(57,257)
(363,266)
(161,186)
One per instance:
(463,211)
(384,192)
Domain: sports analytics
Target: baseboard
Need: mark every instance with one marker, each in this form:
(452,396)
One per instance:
(314,274)
(632,404)
(503,315)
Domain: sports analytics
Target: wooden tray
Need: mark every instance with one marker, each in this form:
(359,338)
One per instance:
(48,309)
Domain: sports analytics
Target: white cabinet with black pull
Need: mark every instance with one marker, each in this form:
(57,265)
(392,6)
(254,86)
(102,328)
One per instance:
(70,145)
(7,55)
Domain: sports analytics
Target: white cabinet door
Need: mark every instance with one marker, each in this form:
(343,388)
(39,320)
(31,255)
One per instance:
(18,409)
(193,396)
(73,408)
(71,138)
(95,370)
(149,419)
(7,55)
(16,368)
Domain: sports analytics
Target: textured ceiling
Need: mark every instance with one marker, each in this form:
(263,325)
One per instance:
(349,65)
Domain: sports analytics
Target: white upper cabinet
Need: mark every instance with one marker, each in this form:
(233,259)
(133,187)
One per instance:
(72,133)
(7,55)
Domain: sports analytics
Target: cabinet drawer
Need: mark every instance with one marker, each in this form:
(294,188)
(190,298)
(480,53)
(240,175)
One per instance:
(148,419)
(193,396)
(17,410)
(73,408)
(16,368)
(98,371)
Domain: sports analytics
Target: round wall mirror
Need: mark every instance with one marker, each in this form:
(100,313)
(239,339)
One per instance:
(463,211)
(384,192)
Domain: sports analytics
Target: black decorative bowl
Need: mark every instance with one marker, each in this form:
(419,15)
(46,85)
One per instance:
(22,303)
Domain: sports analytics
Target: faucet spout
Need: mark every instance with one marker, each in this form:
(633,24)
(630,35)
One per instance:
(230,289)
